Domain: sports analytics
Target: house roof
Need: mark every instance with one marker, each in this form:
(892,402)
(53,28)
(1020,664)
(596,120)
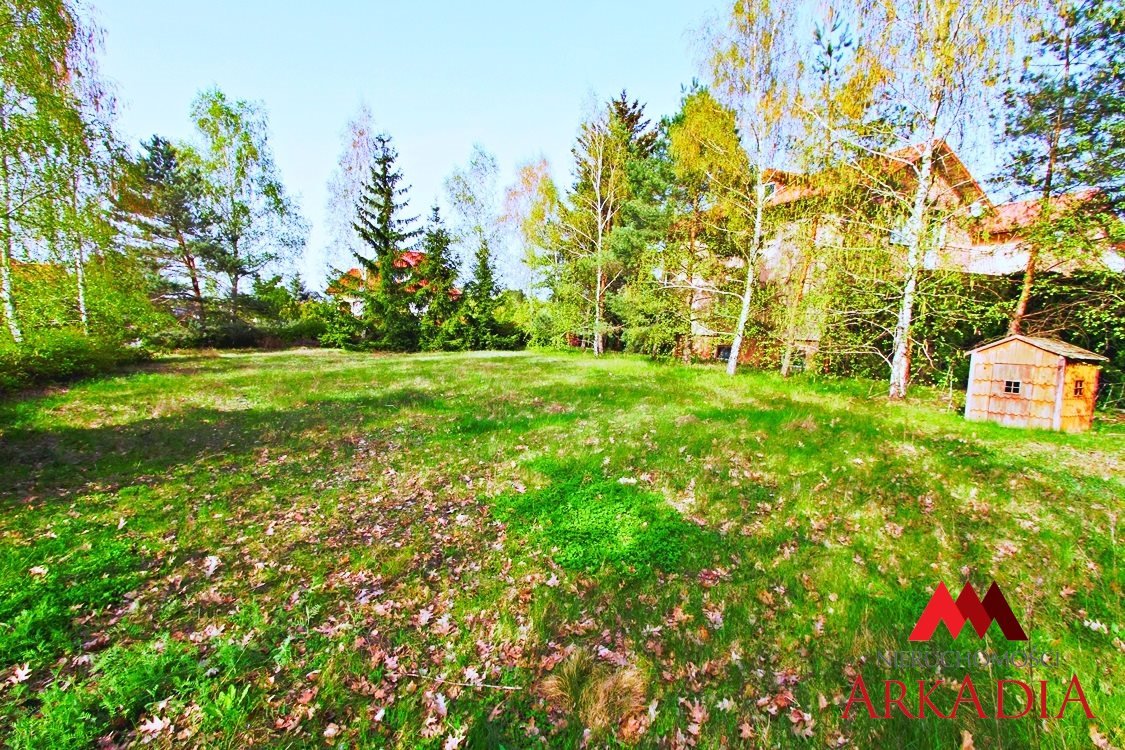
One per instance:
(1054,346)
(948,163)
(355,279)
(793,186)
(1011,217)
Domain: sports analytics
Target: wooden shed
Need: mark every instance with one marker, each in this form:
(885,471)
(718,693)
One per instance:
(1028,381)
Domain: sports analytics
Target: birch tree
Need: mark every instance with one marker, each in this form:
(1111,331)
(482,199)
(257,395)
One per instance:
(941,58)
(257,223)
(591,213)
(48,85)
(345,187)
(473,192)
(754,65)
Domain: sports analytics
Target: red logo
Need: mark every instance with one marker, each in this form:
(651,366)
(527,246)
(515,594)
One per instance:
(968,608)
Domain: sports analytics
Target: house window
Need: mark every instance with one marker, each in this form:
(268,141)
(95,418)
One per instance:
(1011,386)
(722,352)
(1079,387)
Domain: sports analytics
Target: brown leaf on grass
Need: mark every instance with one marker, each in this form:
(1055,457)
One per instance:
(803,723)
(210,565)
(697,716)
(153,725)
(1100,740)
(20,673)
(678,617)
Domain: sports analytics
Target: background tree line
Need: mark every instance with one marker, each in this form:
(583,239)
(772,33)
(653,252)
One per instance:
(660,234)
(663,229)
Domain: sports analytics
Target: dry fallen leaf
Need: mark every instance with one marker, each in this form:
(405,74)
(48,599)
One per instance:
(155,725)
(1100,740)
(210,565)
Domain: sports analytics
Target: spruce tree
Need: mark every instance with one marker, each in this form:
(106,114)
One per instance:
(383,225)
(437,296)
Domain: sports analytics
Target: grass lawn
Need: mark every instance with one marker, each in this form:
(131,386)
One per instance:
(318,548)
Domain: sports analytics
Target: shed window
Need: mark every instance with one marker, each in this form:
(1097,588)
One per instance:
(1011,386)
(1079,387)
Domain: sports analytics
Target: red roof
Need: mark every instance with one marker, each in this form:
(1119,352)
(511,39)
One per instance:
(410,259)
(355,279)
(792,186)
(1017,215)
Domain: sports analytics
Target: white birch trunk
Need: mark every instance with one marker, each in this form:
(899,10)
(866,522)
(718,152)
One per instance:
(79,262)
(916,231)
(6,294)
(751,271)
(80,272)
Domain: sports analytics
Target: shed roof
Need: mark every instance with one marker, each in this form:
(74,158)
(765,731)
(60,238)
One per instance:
(1063,349)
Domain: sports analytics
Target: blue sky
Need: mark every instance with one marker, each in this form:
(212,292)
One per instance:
(514,76)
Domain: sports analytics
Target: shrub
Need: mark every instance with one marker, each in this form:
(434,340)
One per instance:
(59,355)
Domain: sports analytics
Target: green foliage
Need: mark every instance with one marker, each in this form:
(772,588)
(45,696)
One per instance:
(127,680)
(388,233)
(64,721)
(596,525)
(256,223)
(60,355)
(342,330)
(437,295)
(83,572)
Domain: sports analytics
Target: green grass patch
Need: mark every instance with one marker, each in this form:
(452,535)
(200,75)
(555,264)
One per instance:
(322,548)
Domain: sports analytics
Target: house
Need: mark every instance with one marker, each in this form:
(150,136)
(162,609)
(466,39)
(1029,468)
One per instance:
(971,235)
(351,286)
(1028,381)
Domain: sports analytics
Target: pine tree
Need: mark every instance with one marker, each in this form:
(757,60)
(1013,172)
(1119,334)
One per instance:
(162,201)
(1065,125)
(382,224)
(437,296)
(640,139)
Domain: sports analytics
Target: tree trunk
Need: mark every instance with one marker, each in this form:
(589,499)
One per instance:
(687,349)
(79,259)
(1020,311)
(235,276)
(80,272)
(599,336)
(193,274)
(793,307)
(6,294)
(900,361)
(743,317)
(751,270)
